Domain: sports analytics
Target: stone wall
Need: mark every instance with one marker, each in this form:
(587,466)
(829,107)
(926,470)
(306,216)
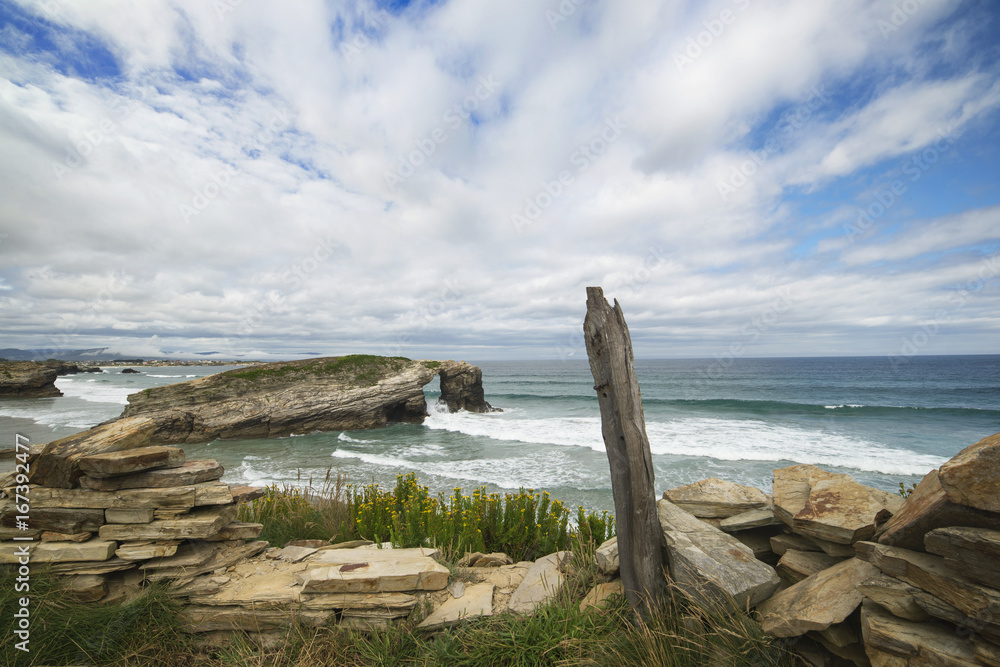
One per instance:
(860,576)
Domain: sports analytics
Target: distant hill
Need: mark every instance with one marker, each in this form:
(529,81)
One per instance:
(92,354)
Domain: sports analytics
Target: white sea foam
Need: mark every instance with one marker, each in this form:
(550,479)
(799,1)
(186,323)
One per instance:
(343,437)
(154,375)
(538,470)
(54,416)
(95,392)
(717,438)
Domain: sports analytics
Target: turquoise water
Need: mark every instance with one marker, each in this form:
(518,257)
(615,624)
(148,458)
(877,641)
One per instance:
(739,421)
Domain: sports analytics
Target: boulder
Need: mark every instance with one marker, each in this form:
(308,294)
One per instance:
(147,550)
(54,519)
(716,498)
(795,566)
(927,508)
(114,464)
(27,379)
(893,641)
(711,566)
(197,619)
(759,541)
(895,595)
(496,559)
(188,473)
(975,552)
(50,536)
(598,597)
(199,524)
(782,543)
(128,515)
(86,587)
(179,497)
(237,530)
(791,488)
(834,549)
(817,602)
(541,583)
(58,464)
(224,556)
(476,602)
(374,571)
(971,477)
(748,520)
(930,574)
(830,507)
(58,552)
(607,556)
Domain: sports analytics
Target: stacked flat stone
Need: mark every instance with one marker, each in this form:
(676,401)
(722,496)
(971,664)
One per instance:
(134,515)
(878,580)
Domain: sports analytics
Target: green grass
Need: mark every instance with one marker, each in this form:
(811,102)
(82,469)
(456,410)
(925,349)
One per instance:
(357,369)
(140,631)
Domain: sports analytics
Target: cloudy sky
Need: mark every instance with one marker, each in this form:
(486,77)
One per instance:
(444,179)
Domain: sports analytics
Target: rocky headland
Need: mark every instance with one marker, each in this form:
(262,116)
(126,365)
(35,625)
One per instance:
(36,379)
(270,401)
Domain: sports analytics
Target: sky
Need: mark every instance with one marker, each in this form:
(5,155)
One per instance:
(242,179)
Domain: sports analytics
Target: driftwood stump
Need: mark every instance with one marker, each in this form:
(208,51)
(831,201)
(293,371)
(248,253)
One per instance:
(609,349)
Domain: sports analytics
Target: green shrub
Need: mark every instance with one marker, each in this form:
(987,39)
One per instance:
(524,525)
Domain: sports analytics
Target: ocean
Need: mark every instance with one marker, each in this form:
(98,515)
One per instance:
(736,420)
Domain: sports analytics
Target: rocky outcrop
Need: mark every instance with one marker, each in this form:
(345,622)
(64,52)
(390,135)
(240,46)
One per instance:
(715,498)
(710,566)
(67,368)
(27,379)
(269,401)
(324,394)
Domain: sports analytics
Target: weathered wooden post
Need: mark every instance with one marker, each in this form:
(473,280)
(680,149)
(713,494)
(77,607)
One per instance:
(609,348)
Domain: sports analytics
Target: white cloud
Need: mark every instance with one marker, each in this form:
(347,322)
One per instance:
(235,173)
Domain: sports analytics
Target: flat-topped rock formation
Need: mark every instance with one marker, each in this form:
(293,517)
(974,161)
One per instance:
(36,379)
(269,401)
(322,394)
(26,379)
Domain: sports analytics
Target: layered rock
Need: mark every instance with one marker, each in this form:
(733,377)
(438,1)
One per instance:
(711,566)
(268,401)
(27,379)
(716,498)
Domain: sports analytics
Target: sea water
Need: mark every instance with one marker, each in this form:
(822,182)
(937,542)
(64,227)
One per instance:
(879,420)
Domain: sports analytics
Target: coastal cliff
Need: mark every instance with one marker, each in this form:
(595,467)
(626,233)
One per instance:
(36,379)
(27,379)
(271,401)
(322,394)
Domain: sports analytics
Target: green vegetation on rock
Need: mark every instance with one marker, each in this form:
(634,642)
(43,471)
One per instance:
(356,369)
